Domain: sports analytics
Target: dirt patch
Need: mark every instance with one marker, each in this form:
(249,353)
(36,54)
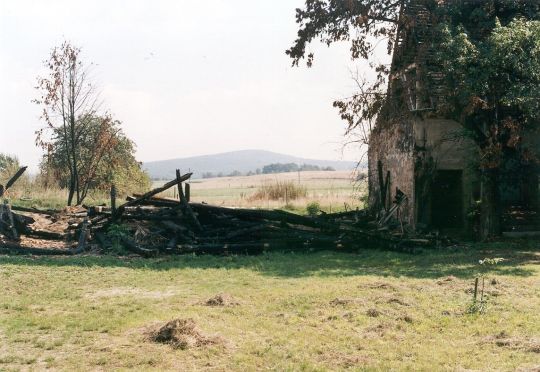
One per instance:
(183,334)
(406,318)
(341,301)
(516,343)
(346,301)
(222,299)
(373,313)
(343,360)
(395,300)
(446,280)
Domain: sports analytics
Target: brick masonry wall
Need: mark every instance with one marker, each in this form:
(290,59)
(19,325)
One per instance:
(393,145)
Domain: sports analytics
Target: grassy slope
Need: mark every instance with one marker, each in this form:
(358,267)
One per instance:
(92,312)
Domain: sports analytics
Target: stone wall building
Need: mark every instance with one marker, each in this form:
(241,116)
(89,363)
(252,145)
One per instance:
(424,156)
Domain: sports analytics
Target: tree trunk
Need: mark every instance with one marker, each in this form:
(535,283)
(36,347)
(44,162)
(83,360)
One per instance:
(71,191)
(490,213)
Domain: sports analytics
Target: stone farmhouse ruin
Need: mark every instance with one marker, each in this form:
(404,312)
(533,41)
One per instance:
(419,158)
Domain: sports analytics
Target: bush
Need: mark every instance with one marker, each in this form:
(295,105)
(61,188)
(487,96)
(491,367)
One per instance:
(313,209)
(286,190)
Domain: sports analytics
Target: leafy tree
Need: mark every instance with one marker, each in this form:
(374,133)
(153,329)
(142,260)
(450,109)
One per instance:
(104,155)
(66,96)
(85,149)
(8,163)
(494,90)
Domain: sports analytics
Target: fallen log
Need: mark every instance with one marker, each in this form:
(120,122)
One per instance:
(47,235)
(48,212)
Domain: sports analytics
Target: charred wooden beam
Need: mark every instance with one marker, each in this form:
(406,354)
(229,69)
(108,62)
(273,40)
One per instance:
(12,180)
(46,235)
(186,208)
(130,245)
(146,196)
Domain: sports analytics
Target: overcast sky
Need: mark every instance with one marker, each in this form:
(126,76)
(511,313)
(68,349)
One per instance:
(185,77)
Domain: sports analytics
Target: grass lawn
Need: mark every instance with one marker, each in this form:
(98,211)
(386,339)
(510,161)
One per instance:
(320,311)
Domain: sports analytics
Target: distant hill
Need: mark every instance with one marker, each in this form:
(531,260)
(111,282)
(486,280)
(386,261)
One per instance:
(242,161)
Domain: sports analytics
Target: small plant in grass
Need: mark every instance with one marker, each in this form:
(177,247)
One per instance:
(479,303)
(313,209)
(116,233)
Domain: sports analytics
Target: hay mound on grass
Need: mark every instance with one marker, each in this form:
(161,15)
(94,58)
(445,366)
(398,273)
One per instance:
(183,334)
(222,299)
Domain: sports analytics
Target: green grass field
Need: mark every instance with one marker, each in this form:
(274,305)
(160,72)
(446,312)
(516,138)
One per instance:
(315,311)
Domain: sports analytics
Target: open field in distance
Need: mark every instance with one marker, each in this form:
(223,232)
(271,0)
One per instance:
(332,190)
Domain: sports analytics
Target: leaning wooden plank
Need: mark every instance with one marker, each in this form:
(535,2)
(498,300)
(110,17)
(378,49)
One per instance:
(49,212)
(144,197)
(17,249)
(12,180)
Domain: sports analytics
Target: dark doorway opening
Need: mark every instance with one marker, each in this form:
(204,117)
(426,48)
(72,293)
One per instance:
(447,199)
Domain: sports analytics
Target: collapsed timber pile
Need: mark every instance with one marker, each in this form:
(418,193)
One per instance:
(149,226)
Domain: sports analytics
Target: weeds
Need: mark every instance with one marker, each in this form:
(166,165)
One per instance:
(479,303)
(116,233)
(313,209)
(280,190)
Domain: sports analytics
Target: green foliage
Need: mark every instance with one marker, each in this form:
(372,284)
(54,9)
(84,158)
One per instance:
(116,233)
(494,85)
(313,209)
(105,156)
(8,163)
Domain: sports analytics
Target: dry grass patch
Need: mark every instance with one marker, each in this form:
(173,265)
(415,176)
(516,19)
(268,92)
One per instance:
(222,299)
(183,334)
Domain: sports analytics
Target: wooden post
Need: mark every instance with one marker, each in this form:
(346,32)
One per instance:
(188,192)
(10,222)
(181,195)
(83,236)
(185,205)
(475,290)
(113,202)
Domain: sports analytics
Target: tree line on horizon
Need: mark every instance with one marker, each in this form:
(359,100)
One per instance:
(271,169)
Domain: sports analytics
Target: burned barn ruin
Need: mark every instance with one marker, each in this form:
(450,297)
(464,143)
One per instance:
(419,161)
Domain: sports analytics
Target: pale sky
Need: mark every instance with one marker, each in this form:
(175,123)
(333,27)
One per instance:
(185,77)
